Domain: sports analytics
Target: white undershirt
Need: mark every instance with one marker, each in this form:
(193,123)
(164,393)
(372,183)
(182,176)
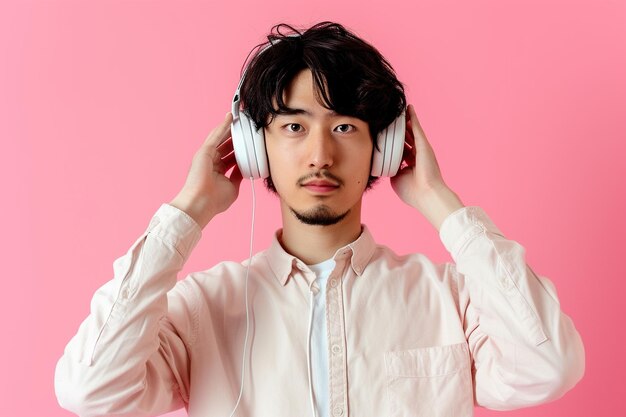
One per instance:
(319,341)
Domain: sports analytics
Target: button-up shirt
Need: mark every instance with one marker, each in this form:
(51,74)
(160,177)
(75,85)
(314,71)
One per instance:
(405,336)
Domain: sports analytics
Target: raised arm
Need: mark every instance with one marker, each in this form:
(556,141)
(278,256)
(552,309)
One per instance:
(525,351)
(130,355)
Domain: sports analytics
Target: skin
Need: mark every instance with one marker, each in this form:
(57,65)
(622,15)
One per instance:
(332,147)
(319,161)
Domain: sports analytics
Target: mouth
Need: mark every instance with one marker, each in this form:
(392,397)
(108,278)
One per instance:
(320,186)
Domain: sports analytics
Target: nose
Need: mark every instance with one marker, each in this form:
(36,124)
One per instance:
(320,150)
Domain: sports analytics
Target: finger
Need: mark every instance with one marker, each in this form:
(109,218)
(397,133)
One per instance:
(408,155)
(422,147)
(220,133)
(229,160)
(236,177)
(225,147)
(223,164)
(421,144)
(409,148)
(416,128)
(409,137)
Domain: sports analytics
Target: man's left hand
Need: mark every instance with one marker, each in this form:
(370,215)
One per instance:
(419,182)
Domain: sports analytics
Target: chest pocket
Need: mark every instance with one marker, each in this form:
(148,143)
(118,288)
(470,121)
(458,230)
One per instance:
(430,382)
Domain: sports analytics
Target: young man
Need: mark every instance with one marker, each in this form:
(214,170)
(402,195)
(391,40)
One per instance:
(340,325)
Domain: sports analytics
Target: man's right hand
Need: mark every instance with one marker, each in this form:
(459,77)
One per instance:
(207,190)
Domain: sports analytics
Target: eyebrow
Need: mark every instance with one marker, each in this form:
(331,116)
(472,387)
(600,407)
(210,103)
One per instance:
(292,111)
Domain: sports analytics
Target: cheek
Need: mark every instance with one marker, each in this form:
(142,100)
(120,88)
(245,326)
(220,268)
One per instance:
(278,155)
(272,159)
(360,172)
(368,158)
(280,175)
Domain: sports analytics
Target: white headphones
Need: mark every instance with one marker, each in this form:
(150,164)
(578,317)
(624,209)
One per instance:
(249,143)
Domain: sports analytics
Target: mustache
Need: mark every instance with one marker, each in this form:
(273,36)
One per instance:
(322,174)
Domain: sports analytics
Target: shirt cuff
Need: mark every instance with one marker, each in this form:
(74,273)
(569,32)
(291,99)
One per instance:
(176,228)
(463,225)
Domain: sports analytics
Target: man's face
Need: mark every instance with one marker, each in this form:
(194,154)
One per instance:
(319,160)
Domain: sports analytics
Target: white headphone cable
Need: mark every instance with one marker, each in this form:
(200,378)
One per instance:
(245,343)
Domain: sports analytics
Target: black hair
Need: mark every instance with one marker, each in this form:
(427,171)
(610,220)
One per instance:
(351,77)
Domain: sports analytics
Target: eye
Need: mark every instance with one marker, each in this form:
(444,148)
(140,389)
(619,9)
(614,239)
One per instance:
(294,127)
(345,128)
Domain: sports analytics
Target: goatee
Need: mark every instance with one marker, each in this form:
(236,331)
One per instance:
(319,216)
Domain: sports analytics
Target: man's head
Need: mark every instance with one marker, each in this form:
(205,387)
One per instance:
(350,77)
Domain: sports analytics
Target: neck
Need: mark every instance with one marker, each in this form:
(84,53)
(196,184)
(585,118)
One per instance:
(315,244)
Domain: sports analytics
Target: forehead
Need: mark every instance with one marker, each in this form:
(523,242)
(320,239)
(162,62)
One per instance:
(301,94)
(301,97)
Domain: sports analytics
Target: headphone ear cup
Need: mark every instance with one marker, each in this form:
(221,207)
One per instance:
(388,155)
(249,147)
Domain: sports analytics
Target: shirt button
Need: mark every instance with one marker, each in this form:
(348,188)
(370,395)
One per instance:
(333,283)
(338,411)
(336,349)
(124,293)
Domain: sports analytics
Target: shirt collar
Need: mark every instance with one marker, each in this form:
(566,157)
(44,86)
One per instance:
(283,265)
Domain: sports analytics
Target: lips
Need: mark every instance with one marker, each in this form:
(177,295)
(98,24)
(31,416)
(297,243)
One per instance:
(320,186)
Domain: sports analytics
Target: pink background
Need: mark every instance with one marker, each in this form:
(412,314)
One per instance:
(103,105)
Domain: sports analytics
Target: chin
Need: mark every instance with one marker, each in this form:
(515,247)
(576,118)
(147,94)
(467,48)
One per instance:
(320,215)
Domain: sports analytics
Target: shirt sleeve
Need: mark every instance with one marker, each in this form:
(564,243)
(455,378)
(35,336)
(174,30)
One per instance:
(525,350)
(130,355)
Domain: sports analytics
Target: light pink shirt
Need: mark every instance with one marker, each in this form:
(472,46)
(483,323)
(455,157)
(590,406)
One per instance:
(406,336)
